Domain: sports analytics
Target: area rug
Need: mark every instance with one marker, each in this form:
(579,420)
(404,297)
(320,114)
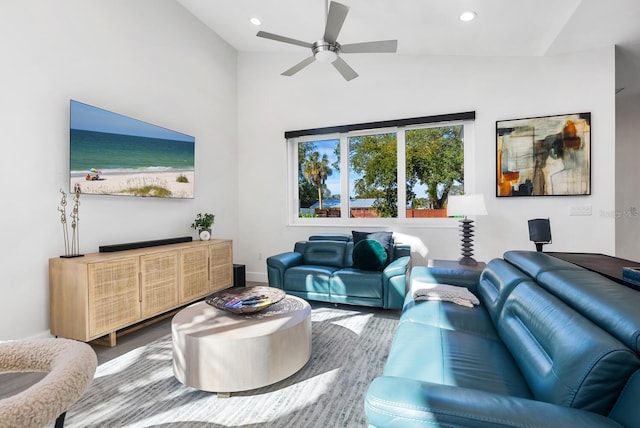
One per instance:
(349,349)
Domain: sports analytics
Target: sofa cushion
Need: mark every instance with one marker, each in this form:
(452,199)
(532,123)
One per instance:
(612,306)
(534,263)
(369,254)
(330,237)
(496,282)
(324,253)
(457,358)
(449,316)
(307,278)
(356,283)
(566,359)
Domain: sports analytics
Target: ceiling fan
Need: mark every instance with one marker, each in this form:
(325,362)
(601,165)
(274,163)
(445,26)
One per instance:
(327,49)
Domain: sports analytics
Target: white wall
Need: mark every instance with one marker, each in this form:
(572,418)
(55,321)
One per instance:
(397,86)
(627,212)
(149,59)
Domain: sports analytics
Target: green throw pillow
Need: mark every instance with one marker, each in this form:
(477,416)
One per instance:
(369,254)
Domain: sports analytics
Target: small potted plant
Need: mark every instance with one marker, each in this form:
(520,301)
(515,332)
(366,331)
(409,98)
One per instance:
(202,223)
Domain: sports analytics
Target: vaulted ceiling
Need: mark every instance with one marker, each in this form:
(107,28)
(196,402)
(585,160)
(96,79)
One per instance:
(433,27)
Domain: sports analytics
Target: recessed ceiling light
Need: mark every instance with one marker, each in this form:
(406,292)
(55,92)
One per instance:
(468,16)
(255,21)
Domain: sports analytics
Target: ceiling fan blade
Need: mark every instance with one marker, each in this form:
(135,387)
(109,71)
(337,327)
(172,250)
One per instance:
(335,19)
(382,46)
(283,39)
(299,66)
(347,72)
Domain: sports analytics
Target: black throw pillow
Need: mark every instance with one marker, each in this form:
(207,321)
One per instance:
(385,238)
(369,254)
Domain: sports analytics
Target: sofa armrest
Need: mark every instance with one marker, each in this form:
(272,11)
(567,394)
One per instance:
(394,282)
(393,402)
(278,264)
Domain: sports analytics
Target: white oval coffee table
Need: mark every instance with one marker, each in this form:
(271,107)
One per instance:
(219,351)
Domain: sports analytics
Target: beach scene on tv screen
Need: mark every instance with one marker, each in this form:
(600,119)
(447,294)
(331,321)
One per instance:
(112,154)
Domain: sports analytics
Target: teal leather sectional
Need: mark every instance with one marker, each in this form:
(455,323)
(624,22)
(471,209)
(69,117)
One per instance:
(321,268)
(550,345)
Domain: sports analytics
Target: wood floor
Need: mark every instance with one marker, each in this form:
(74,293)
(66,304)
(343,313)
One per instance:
(14,383)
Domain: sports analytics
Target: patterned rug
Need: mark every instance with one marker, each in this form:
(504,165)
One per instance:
(349,349)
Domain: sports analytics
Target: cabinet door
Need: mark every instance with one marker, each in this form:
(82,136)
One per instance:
(159,277)
(194,273)
(114,295)
(221,265)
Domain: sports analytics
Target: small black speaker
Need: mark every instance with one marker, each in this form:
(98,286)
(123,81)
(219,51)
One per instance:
(540,232)
(239,276)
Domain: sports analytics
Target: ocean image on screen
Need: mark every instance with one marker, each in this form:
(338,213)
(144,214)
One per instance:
(112,154)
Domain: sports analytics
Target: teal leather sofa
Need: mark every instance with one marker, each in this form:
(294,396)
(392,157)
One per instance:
(321,268)
(550,345)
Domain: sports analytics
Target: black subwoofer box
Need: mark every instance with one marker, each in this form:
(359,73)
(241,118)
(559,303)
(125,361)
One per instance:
(239,275)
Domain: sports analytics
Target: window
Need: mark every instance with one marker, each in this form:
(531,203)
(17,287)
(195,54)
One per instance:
(415,166)
(434,168)
(373,175)
(319,178)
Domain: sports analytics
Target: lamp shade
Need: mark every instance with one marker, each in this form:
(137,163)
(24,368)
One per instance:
(465,205)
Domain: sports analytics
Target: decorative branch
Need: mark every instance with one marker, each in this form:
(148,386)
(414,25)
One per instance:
(63,219)
(75,223)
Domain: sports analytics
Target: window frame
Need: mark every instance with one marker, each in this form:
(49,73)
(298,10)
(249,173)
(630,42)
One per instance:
(345,220)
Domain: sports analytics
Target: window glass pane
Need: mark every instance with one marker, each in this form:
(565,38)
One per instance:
(373,176)
(435,169)
(319,178)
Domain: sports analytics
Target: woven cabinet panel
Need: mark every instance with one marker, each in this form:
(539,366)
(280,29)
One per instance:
(114,298)
(159,274)
(194,281)
(221,266)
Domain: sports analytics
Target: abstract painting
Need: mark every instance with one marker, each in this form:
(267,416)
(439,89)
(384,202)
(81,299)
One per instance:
(544,156)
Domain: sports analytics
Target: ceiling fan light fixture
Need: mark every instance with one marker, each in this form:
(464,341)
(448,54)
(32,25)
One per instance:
(468,16)
(326,56)
(255,21)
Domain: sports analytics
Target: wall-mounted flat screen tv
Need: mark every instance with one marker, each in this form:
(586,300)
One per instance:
(112,154)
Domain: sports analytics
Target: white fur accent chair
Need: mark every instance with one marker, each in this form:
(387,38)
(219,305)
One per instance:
(70,366)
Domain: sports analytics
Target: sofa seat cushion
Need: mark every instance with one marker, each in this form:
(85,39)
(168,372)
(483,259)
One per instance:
(449,316)
(357,283)
(455,358)
(308,278)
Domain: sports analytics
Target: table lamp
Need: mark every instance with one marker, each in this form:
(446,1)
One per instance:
(466,205)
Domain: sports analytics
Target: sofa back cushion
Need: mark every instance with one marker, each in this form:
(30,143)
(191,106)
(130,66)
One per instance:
(612,306)
(496,282)
(330,237)
(534,263)
(324,253)
(565,358)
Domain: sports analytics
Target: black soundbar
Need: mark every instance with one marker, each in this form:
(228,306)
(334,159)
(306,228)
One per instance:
(143,244)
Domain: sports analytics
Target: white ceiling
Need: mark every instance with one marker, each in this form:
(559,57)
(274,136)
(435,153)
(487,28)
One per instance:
(432,27)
